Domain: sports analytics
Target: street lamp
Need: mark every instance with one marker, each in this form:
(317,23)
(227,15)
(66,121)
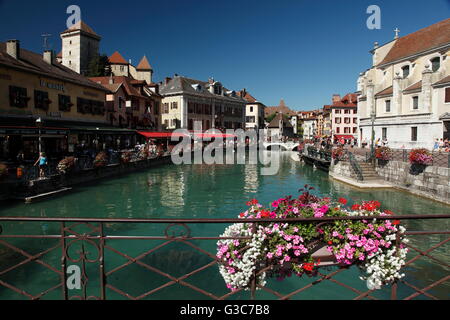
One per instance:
(373,117)
(39,125)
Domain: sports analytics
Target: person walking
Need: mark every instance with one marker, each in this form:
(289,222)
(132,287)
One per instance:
(42,160)
(436,145)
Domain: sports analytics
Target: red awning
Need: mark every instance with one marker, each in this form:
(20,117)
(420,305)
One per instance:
(155,135)
(344,137)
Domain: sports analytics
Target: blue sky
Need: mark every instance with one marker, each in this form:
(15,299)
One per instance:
(303,51)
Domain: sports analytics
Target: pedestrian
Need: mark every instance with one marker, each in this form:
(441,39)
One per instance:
(42,160)
(436,145)
(441,145)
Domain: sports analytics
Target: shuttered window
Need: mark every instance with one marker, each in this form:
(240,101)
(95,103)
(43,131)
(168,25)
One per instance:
(447,94)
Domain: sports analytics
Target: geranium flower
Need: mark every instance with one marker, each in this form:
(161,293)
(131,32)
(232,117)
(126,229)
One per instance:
(343,201)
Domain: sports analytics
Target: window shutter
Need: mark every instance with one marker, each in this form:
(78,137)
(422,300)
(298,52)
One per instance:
(447,94)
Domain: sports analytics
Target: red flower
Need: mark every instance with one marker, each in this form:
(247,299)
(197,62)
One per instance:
(252,203)
(330,243)
(308,267)
(242,215)
(388,212)
(265,214)
(356,207)
(343,201)
(396,222)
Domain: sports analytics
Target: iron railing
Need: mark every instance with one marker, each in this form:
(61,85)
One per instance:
(355,166)
(92,244)
(440,159)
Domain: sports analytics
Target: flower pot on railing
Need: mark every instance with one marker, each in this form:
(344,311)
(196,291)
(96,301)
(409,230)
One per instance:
(417,168)
(419,159)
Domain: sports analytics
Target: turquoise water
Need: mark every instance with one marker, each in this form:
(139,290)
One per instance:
(196,191)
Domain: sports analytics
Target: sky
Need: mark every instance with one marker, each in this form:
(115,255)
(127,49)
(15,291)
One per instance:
(302,51)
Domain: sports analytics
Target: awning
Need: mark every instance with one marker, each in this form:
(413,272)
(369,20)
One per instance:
(161,135)
(344,137)
(213,135)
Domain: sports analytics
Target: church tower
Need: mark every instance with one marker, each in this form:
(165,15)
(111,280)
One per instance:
(80,44)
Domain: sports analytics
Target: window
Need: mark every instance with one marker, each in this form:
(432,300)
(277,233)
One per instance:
(338,120)
(18,97)
(435,64)
(174,105)
(347,120)
(251,119)
(355,130)
(41,100)
(355,120)
(355,111)
(447,95)
(384,133)
(338,130)
(251,109)
(64,102)
(166,108)
(388,105)
(347,111)
(415,103)
(338,111)
(405,71)
(414,134)
(346,130)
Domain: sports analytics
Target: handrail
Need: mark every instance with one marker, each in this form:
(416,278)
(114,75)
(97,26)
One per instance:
(355,166)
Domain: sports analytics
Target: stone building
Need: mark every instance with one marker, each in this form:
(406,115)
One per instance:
(407,89)
(187,101)
(80,44)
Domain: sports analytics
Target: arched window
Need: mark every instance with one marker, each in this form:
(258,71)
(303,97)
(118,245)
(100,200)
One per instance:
(405,71)
(435,64)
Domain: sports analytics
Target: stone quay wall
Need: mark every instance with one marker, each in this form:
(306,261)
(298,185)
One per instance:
(431,181)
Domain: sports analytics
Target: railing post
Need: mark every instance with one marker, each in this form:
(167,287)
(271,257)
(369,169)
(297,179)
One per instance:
(395,284)
(63,261)
(102,263)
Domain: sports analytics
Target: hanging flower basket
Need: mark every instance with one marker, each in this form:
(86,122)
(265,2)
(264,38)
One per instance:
(101,160)
(421,156)
(383,154)
(66,165)
(290,247)
(338,154)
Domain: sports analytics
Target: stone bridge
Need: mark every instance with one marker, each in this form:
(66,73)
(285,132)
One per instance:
(287,146)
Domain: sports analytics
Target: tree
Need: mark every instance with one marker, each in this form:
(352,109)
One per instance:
(99,66)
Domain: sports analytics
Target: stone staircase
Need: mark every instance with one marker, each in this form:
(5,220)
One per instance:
(368,171)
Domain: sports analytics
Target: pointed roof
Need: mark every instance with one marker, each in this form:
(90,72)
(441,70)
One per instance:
(81,26)
(275,123)
(144,65)
(116,58)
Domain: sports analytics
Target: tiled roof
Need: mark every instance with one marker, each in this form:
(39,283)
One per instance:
(83,27)
(349,101)
(443,81)
(386,92)
(415,86)
(280,109)
(33,62)
(425,39)
(116,58)
(179,85)
(144,65)
(275,123)
(125,81)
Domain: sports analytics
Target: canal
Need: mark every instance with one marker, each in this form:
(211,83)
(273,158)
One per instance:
(197,191)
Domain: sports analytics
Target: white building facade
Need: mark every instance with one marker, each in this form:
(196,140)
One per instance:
(405,90)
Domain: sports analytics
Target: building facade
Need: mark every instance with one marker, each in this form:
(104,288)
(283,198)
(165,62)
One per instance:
(254,113)
(41,98)
(406,89)
(189,101)
(343,115)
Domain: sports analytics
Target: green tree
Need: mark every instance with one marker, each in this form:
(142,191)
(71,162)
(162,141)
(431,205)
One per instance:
(99,66)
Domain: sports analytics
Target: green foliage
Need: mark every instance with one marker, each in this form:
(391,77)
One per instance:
(99,66)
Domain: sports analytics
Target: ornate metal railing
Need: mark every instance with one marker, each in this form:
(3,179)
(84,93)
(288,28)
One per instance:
(111,264)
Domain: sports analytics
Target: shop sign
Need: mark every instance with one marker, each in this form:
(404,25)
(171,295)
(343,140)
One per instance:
(51,85)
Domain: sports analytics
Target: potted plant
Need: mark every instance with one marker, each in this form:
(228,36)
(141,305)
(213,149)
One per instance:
(420,159)
(383,155)
(101,160)
(338,154)
(125,157)
(288,248)
(66,165)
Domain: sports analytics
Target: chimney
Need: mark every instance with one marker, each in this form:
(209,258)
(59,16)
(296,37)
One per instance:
(13,48)
(336,98)
(48,56)
(166,82)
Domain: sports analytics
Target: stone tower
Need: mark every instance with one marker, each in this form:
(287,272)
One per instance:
(80,44)
(144,71)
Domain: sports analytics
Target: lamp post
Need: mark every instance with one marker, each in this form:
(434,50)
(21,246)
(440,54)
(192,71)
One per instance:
(372,152)
(39,125)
